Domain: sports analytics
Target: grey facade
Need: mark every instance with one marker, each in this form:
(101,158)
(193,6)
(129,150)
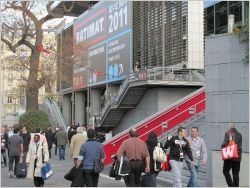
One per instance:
(227,101)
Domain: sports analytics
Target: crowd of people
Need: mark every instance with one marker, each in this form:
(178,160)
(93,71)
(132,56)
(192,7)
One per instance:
(85,148)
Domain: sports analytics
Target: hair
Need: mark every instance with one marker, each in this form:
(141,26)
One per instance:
(195,128)
(79,130)
(37,136)
(16,129)
(180,129)
(91,133)
(152,139)
(133,133)
(38,130)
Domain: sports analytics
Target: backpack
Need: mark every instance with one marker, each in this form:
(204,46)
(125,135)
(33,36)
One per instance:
(159,154)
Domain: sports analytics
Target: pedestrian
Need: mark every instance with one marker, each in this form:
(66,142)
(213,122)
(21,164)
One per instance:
(55,140)
(50,139)
(179,147)
(4,145)
(76,142)
(232,135)
(137,153)
(90,151)
(3,152)
(62,140)
(152,142)
(15,144)
(199,152)
(71,132)
(26,142)
(38,155)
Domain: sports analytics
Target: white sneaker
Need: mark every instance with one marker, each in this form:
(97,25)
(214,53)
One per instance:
(11,174)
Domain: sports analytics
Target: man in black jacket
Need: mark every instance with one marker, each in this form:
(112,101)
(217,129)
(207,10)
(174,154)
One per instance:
(26,142)
(179,147)
(50,138)
(232,135)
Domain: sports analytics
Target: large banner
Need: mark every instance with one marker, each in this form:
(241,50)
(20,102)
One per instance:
(103,44)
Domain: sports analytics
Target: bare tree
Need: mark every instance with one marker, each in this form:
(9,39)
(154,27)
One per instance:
(23,21)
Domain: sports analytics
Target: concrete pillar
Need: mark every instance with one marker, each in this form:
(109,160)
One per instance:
(95,102)
(66,108)
(80,107)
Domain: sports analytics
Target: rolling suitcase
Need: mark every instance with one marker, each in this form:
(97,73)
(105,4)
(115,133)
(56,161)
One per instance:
(21,170)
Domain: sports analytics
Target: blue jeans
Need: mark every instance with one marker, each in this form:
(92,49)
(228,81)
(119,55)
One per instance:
(61,152)
(194,174)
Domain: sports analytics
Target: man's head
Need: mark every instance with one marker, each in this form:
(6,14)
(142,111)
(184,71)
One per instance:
(36,138)
(181,131)
(16,129)
(91,133)
(79,130)
(24,130)
(194,132)
(133,133)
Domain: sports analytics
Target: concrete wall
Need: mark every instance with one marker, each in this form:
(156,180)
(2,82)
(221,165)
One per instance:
(227,93)
(66,108)
(80,107)
(153,101)
(95,101)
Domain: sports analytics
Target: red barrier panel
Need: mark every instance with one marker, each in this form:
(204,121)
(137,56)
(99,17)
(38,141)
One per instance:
(174,116)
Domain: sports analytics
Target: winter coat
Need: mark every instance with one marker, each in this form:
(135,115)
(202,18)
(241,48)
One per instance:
(75,145)
(50,138)
(61,138)
(31,160)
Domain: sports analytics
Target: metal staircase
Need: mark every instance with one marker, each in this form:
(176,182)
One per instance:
(135,86)
(171,117)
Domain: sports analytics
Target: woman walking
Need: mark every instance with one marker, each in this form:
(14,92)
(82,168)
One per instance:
(155,167)
(38,154)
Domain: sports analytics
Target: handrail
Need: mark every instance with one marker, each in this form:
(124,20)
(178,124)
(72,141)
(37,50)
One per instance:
(160,124)
(60,115)
(182,126)
(163,111)
(131,77)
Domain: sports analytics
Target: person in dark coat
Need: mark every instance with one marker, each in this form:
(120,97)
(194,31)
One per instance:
(71,132)
(55,140)
(151,143)
(26,142)
(50,139)
(232,135)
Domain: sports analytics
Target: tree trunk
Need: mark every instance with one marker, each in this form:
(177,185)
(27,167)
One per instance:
(32,99)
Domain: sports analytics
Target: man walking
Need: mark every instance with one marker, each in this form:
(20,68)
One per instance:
(179,147)
(15,144)
(50,139)
(26,142)
(76,142)
(199,152)
(61,138)
(232,135)
(137,153)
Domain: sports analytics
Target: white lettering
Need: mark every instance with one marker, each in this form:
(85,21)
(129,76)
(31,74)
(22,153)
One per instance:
(228,152)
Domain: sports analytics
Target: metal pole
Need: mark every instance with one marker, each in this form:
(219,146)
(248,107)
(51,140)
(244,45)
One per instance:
(163,39)
(1,74)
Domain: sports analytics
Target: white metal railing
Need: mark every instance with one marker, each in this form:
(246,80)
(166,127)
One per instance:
(156,73)
(59,114)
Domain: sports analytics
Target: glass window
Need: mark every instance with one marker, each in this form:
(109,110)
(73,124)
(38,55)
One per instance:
(9,100)
(236,10)
(221,17)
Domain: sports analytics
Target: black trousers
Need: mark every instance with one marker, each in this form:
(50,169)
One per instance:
(134,177)
(11,161)
(90,178)
(38,181)
(235,166)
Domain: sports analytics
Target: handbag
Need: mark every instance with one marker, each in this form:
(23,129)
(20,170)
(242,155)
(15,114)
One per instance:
(71,174)
(46,171)
(230,151)
(166,165)
(148,180)
(159,154)
(98,165)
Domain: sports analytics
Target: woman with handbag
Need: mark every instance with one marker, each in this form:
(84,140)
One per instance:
(155,166)
(91,155)
(38,154)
